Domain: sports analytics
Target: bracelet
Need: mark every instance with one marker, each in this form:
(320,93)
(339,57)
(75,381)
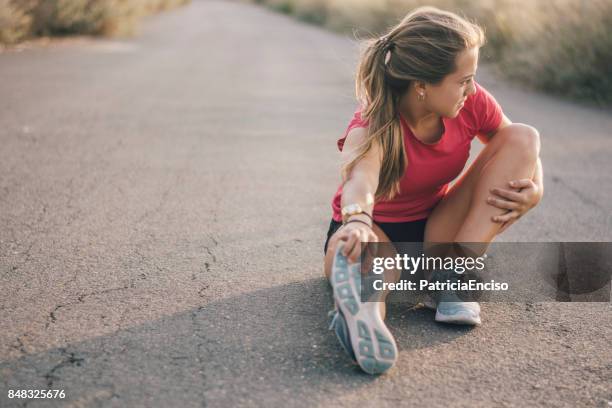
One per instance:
(357,220)
(365,213)
(361,213)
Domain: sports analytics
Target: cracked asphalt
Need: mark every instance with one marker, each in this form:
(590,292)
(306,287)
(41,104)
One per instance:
(163,205)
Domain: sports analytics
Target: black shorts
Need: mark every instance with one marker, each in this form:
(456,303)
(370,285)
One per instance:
(411,231)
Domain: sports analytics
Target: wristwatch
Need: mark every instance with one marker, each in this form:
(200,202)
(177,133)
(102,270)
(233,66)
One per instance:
(352,209)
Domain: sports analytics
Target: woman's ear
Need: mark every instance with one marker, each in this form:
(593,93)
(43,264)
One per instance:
(420,88)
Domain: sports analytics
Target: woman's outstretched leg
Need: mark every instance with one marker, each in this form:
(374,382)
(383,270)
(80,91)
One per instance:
(358,324)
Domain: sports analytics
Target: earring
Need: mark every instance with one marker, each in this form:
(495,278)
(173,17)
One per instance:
(421,96)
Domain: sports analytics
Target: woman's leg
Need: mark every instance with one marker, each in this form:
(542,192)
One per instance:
(359,325)
(464,215)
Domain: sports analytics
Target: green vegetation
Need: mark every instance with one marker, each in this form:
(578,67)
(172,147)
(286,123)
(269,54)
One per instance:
(25,19)
(560,46)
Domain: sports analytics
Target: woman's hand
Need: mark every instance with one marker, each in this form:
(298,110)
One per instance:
(521,197)
(354,233)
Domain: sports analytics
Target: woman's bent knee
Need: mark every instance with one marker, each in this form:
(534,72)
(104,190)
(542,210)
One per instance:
(523,138)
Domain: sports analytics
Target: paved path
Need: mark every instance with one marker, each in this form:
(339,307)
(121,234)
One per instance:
(163,203)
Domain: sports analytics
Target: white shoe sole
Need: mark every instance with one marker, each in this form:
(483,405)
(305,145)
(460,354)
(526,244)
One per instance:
(458,318)
(373,344)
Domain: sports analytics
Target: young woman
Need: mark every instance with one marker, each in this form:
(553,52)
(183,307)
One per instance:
(420,109)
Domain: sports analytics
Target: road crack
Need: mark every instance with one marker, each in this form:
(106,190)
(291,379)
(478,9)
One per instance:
(52,318)
(70,360)
(580,194)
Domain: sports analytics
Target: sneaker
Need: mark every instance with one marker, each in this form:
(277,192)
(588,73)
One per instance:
(358,325)
(450,308)
(338,324)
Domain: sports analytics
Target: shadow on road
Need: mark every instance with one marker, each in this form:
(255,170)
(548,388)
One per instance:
(234,350)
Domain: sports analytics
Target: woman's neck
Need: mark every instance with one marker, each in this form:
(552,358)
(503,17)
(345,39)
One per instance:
(415,113)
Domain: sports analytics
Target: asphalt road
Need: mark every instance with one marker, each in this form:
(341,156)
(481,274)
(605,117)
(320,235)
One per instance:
(163,205)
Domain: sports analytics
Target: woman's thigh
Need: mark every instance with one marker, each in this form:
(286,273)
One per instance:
(448,216)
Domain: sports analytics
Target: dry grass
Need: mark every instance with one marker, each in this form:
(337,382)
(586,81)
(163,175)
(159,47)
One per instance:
(24,19)
(560,46)
(15,22)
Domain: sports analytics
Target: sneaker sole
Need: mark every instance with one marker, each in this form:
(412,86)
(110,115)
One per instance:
(373,344)
(458,318)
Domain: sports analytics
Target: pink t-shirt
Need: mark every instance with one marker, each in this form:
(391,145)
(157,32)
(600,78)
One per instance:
(431,167)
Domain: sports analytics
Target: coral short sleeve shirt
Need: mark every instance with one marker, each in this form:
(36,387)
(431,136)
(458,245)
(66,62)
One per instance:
(431,167)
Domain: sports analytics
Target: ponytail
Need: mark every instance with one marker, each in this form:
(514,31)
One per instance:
(379,102)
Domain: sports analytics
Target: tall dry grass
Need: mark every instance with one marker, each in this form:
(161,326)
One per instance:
(560,46)
(23,19)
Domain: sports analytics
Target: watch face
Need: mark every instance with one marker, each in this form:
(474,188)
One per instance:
(351,209)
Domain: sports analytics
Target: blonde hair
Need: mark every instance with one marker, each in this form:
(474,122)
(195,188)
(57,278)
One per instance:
(422,47)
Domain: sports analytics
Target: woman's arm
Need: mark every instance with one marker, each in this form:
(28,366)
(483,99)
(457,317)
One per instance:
(361,183)
(359,188)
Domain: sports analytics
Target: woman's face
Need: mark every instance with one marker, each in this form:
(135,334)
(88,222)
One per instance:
(447,97)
